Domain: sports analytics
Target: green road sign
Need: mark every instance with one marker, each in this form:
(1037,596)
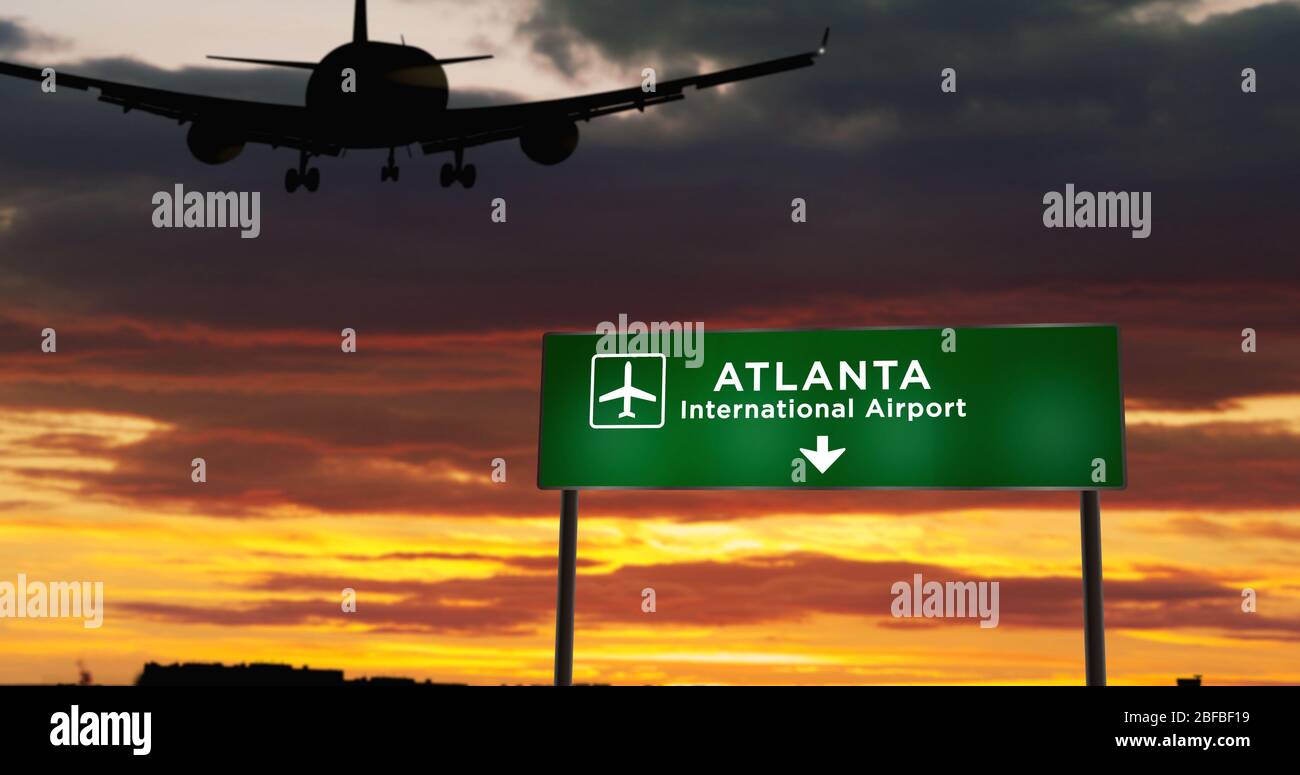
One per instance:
(1015,407)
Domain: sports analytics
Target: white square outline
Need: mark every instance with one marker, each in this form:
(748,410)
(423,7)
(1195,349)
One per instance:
(663,392)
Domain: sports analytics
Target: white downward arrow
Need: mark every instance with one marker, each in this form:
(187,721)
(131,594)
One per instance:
(823,457)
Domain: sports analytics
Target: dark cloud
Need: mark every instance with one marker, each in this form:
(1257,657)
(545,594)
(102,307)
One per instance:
(1064,79)
(767,589)
(16,37)
(911,193)
(12,37)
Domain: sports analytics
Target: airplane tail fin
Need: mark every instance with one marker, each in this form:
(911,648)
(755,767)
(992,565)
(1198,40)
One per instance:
(361,34)
(359,28)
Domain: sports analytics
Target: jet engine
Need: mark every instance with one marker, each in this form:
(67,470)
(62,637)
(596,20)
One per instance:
(551,142)
(212,144)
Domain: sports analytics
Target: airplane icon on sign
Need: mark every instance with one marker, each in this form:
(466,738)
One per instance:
(627,393)
(649,369)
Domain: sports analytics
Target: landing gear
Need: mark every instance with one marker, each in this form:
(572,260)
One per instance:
(391,171)
(465,174)
(302,176)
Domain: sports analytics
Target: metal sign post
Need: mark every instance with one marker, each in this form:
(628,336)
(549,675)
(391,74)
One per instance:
(568,579)
(1094,627)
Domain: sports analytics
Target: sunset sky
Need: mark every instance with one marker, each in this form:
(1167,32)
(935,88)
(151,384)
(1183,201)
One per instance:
(372,470)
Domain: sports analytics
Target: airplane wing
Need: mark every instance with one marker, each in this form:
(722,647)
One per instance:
(614,395)
(624,392)
(467,127)
(260,122)
(641,394)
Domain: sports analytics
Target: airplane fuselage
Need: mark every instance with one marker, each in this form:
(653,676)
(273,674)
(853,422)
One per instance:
(377,95)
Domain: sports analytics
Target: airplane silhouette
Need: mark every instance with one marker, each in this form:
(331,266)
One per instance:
(627,393)
(399,99)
